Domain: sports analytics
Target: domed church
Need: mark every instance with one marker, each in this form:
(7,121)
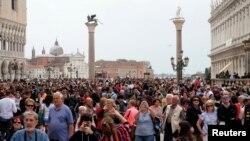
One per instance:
(56,50)
(56,64)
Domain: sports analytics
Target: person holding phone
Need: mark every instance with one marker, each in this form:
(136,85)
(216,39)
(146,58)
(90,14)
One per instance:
(144,123)
(86,132)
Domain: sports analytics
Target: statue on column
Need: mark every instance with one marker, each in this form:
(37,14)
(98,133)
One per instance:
(178,12)
(92,18)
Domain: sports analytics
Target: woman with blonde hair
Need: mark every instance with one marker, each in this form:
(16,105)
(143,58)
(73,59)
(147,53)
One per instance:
(29,104)
(164,105)
(115,132)
(208,117)
(144,123)
(109,107)
(204,99)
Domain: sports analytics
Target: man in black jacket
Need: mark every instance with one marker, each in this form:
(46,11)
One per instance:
(227,111)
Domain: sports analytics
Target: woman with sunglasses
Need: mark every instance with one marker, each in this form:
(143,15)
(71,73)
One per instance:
(29,104)
(193,113)
(16,125)
(208,117)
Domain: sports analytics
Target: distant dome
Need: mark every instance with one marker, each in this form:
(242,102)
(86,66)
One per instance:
(56,49)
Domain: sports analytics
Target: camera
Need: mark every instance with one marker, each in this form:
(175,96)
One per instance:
(85,125)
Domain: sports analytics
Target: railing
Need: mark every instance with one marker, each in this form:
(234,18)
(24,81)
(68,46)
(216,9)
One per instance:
(229,82)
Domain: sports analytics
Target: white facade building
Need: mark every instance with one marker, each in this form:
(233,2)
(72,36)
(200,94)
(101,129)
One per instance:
(230,27)
(56,64)
(13,23)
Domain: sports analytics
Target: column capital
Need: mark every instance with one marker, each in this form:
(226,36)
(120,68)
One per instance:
(91,26)
(179,21)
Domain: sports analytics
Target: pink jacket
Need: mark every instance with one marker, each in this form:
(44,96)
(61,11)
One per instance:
(130,115)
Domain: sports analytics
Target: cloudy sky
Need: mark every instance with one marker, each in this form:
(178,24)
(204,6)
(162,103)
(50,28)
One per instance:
(131,29)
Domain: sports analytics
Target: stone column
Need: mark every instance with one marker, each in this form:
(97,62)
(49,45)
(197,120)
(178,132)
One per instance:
(247,20)
(242,65)
(233,27)
(242,22)
(91,28)
(247,55)
(178,24)
(178,21)
(237,24)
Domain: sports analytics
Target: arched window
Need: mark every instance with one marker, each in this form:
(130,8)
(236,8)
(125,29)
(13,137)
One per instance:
(14,4)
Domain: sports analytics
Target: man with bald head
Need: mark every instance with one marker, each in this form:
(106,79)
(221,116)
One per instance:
(60,127)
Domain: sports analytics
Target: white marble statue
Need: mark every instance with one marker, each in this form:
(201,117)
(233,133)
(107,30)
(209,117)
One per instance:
(178,12)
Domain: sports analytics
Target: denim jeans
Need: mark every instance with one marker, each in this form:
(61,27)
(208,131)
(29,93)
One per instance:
(144,138)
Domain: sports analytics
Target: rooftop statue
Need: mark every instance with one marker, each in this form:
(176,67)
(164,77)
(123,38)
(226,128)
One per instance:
(178,12)
(93,19)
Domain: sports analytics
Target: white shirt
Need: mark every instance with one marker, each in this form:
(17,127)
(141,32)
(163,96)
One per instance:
(7,108)
(209,93)
(46,110)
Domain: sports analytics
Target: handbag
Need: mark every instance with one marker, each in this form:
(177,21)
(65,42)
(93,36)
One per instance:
(157,124)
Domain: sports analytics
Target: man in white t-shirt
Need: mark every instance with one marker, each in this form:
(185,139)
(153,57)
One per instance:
(7,108)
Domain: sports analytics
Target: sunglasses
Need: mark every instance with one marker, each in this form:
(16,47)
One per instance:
(225,97)
(209,106)
(17,122)
(196,100)
(30,105)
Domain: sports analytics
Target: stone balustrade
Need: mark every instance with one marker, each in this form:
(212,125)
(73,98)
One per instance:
(230,82)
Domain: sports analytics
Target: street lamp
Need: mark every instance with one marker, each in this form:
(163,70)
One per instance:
(77,74)
(70,69)
(49,69)
(179,66)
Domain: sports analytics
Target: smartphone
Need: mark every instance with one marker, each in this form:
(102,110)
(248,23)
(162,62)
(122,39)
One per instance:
(85,125)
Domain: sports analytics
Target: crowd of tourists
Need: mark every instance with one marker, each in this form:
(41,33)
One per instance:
(118,110)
